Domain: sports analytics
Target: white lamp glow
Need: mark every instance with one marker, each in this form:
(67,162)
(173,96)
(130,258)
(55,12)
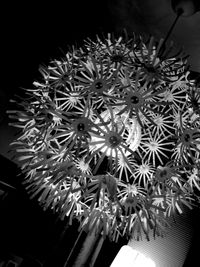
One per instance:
(131,258)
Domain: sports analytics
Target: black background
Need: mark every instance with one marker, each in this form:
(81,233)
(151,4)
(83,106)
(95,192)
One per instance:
(35,32)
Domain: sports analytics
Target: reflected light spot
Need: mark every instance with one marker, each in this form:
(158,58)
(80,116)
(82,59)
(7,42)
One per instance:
(128,257)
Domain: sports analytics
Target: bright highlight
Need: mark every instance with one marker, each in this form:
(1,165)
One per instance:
(129,257)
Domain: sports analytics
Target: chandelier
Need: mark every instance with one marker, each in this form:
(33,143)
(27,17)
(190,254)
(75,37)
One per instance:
(110,136)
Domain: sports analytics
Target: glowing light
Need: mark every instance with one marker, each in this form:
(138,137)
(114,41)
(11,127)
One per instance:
(129,128)
(128,257)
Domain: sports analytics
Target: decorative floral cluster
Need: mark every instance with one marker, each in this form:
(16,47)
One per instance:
(110,136)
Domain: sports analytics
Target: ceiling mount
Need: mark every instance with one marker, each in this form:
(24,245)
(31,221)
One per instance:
(185,8)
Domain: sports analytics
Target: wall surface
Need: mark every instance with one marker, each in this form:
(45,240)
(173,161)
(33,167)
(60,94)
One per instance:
(170,251)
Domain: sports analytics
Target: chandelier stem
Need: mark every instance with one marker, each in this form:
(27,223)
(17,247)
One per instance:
(179,13)
(72,250)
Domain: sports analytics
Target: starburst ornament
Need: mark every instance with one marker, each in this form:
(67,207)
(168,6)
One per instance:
(110,136)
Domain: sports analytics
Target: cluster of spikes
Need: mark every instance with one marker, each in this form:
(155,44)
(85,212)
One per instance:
(109,136)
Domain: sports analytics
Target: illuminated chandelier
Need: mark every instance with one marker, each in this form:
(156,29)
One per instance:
(110,136)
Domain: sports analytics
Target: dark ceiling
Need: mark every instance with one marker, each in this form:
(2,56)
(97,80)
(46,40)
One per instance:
(155,17)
